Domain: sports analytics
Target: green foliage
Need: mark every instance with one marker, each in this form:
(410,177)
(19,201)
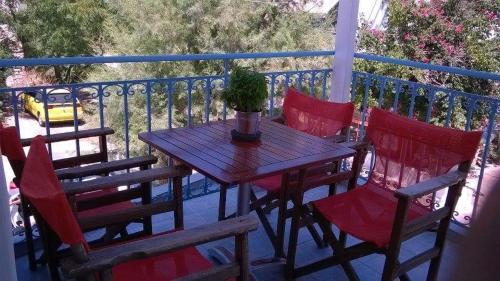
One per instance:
(247,90)
(60,28)
(458,33)
(4,53)
(193,26)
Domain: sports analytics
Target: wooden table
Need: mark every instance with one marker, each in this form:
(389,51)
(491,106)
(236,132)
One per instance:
(210,150)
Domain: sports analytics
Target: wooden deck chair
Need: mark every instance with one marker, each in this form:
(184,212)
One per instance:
(160,257)
(413,160)
(88,204)
(316,117)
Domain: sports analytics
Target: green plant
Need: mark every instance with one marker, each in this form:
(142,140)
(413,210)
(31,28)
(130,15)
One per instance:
(247,90)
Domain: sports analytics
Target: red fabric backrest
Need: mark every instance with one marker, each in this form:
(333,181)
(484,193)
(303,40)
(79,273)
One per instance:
(314,116)
(11,144)
(42,188)
(408,151)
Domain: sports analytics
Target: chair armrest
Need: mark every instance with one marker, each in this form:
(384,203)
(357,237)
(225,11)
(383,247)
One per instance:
(72,135)
(104,259)
(106,167)
(124,215)
(279,119)
(336,138)
(429,186)
(73,188)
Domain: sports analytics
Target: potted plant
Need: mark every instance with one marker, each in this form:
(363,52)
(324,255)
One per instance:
(246,93)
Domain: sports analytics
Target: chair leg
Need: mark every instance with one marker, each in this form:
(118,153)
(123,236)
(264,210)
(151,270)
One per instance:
(451,201)
(222,201)
(320,241)
(391,263)
(178,199)
(297,199)
(337,246)
(265,222)
(146,200)
(28,231)
(292,245)
(50,245)
(268,208)
(241,256)
(280,233)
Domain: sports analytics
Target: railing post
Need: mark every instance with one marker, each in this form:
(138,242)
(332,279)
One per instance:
(345,39)
(7,260)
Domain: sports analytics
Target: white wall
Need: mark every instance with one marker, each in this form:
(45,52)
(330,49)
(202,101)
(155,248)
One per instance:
(7,262)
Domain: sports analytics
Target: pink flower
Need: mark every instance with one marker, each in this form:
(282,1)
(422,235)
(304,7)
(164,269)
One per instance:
(426,60)
(407,36)
(459,28)
(490,15)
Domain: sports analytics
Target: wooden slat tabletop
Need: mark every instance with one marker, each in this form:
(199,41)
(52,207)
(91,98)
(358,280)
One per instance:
(210,150)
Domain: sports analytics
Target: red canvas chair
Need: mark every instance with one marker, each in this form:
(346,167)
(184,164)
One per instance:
(88,204)
(307,114)
(160,257)
(413,160)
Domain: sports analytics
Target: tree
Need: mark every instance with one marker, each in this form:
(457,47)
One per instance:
(459,33)
(209,26)
(59,28)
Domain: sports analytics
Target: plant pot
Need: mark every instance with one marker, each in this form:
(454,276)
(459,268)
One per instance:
(246,126)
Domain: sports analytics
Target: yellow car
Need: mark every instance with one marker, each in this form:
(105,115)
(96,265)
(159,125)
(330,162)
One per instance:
(59,103)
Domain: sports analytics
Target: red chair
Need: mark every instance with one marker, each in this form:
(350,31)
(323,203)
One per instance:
(307,114)
(413,161)
(161,257)
(90,205)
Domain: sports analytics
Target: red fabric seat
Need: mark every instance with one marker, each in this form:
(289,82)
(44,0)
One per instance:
(406,152)
(164,267)
(11,144)
(44,191)
(104,209)
(313,116)
(270,184)
(366,212)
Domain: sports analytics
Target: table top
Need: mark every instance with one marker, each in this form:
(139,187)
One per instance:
(210,150)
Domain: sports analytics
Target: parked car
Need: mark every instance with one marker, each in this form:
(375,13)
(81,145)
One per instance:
(59,103)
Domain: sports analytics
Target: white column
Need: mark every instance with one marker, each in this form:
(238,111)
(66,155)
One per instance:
(345,40)
(7,261)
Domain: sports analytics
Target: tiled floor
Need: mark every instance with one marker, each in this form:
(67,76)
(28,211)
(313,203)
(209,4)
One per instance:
(203,210)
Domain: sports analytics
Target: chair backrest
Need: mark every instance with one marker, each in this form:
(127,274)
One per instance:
(408,151)
(12,149)
(314,116)
(43,190)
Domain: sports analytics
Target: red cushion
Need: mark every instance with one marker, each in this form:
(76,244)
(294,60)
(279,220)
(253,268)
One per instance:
(409,151)
(164,267)
(366,212)
(11,144)
(104,209)
(314,116)
(101,211)
(271,184)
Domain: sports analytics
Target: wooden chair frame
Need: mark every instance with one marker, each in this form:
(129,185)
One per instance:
(69,168)
(401,231)
(118,218)
(270,201)
(83,266)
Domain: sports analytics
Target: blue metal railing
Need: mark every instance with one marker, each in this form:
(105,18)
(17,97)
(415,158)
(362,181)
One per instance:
(169,102)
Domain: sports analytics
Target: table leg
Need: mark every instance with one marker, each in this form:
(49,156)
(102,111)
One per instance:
(243,199)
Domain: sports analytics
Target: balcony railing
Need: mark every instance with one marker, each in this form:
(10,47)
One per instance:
(131,106)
